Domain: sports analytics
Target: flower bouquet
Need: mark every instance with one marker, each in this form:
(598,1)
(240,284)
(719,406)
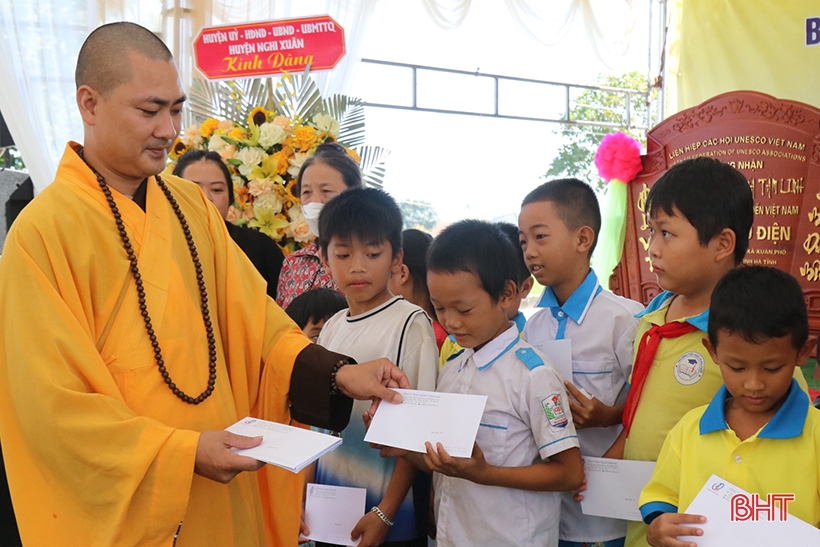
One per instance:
(264,132)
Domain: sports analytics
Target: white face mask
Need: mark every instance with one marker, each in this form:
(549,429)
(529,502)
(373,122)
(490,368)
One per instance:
(311,211)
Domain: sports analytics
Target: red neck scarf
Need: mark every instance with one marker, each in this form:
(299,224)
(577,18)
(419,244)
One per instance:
(643,362)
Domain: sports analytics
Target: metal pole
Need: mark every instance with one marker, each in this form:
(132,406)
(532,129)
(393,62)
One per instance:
(566,104)
(414,87)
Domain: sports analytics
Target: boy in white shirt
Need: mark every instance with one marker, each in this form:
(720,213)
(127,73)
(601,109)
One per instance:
(559,225)
(526,450)
(361,247)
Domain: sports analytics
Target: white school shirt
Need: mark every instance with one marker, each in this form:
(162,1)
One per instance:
(401,332)
(526,420)
(602,329)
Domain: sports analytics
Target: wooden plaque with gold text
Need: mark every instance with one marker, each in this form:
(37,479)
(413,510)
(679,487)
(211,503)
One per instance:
(776,144)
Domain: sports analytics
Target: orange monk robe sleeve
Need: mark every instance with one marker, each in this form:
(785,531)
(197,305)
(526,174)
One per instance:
(85,467)
(272,364)
(268,359)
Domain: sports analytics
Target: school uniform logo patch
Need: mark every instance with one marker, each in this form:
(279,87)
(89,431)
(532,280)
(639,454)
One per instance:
(554,409)
(689,368)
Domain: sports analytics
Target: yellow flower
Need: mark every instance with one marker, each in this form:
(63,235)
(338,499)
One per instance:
(178,149)
(258,116)
(289,145)
(292,191)
(242,196)
(280,162)
(236,134)
(287,149)
(353,154)
(208,126)
(305,138)
(269,223)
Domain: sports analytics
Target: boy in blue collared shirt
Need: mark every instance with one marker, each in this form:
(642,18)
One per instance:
(758,335)
(559,225)
(524,281)
(526,451)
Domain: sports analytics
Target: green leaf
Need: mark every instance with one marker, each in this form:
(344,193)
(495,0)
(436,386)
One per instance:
(297,97)
(372,164)
(349,111)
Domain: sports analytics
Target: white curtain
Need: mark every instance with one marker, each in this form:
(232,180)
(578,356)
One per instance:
(353,15)
(39,44)
(38,51)
(608,23)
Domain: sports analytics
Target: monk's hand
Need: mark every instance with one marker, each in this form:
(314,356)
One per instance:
(473,468)
(664,530)
(590,411)
(372,380)
(216,461)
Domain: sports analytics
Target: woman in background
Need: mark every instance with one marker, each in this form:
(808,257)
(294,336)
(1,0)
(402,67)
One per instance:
(324,175)
(208,170)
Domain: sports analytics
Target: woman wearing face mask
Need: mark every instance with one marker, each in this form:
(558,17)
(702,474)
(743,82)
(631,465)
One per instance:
(324,175)
(209,171)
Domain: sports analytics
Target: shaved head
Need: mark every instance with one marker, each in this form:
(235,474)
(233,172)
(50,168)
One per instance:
(103,63)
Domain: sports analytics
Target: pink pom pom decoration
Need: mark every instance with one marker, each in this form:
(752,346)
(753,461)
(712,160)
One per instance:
(618,157)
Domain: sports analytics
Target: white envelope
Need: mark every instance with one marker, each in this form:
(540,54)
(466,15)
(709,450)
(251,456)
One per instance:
(560,353)
(331,512)
(291,448)
(614,486)
(714,502)
(448,418)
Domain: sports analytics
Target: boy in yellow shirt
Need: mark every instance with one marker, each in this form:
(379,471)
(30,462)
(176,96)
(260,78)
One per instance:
(758,335)
(699,213)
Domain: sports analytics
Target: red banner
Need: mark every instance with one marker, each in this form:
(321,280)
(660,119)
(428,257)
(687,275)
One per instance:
(266,48)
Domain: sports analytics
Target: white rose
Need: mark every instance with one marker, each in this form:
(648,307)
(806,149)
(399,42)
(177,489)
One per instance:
(216,144)
(296,163)
(250,158)
(271,134)
(295,213)
(269,200)
(326,124)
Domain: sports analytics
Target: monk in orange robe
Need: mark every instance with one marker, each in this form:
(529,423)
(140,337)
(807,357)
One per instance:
(133,331)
